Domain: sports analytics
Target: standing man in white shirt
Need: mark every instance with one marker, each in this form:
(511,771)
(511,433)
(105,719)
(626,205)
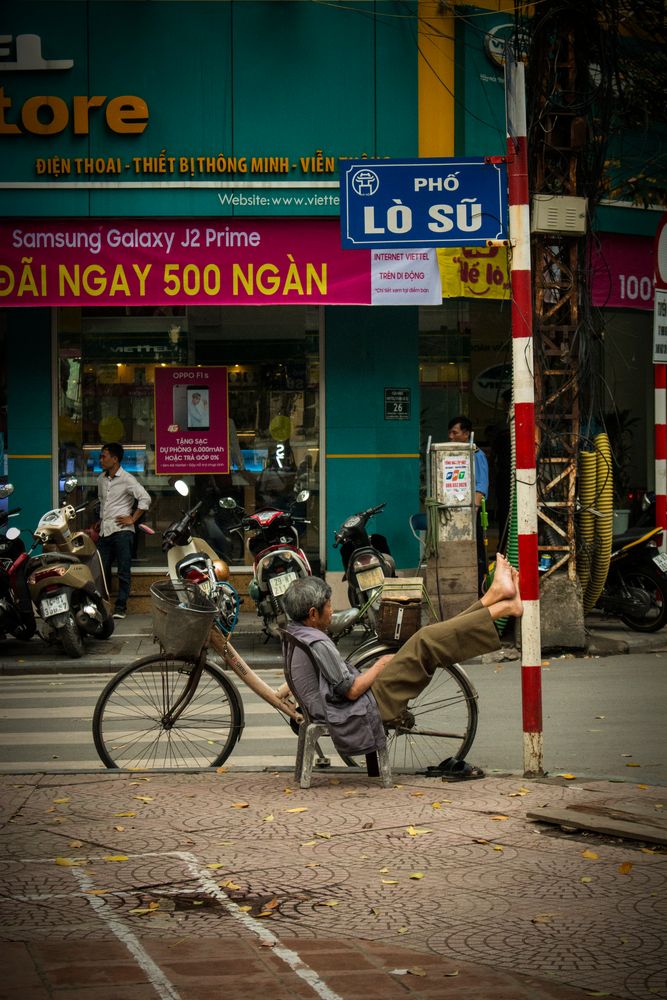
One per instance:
(123,500)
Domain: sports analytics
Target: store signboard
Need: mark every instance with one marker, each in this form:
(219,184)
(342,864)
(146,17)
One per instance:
(191,420)
(430,202)
(210,262)
(622,272)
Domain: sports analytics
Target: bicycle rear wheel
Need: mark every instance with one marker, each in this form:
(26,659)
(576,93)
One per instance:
(440,722)
(131,726)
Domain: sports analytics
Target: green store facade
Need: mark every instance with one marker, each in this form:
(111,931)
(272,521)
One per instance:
(228,116)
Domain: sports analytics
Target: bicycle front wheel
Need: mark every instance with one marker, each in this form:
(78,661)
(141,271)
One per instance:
(440,722)
(132,725)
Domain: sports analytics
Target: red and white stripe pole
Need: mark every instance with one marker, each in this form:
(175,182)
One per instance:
(660,376)
(524,415)
(660,383)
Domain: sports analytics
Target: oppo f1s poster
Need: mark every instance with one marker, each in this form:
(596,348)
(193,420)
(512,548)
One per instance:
(191,420)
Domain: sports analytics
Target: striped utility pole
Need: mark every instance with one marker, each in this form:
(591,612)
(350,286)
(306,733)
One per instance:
(660,382)
(660,376)
(524,414)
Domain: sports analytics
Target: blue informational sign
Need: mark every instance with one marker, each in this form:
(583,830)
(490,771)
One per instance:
(422,203)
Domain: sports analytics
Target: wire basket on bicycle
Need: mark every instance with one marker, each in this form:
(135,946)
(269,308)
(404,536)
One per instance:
(182,617)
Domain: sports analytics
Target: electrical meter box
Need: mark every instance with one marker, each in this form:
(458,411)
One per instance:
(453,487)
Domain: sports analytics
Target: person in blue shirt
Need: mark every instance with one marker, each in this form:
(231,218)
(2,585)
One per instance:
(460,430)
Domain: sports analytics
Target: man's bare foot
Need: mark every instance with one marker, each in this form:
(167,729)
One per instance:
(515,604)
(504,585)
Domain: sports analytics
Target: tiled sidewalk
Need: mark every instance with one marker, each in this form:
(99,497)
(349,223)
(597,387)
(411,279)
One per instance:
(241,885)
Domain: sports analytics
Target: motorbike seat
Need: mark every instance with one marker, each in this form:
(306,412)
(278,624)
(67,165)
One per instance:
(342,620)
(48,558)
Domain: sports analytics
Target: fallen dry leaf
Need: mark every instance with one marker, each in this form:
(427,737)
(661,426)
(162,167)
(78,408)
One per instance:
(389,881)
(543,918)
(402,930)
(416,970)
(75,843)
(96,892)
(240,805)
(299,809)
(329,902)
(625,868)
(436,805)
(497,847)
(416,795)
(323,836)
(60,801)
(454,973)
(229,885)
(116,857)
(141,911)
(268,819)
(586,879)
(632,764)
(416,831)
(70,862)
(570,777)
(125,814)
(143,798)
(119,828)
(590,855)
(215,864)
(417,875)
(220,770)
(309,843)
(499,818)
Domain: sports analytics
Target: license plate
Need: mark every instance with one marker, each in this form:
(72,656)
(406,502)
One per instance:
(370,578)
(54,605)
(279,584)
(661,561)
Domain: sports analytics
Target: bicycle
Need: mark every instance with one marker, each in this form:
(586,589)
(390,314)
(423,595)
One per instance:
(179,708)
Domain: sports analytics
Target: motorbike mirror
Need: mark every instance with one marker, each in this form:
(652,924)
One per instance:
(227,503)
(145,528)
(70,485)
(302,496)
(182,488)
(13,533)
(6,490)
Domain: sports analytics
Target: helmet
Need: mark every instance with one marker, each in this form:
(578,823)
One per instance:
(221,569)
(254,591)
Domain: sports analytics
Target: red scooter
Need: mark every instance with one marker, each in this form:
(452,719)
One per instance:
(278,558)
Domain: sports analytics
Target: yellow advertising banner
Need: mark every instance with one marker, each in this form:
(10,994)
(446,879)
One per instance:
(474,272)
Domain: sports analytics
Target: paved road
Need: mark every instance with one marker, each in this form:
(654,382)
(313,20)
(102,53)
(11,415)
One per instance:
(603,717)
(45,725)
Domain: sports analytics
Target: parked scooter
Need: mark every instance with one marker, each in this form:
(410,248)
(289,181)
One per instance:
(16,612)
(636,587)
(66,582)
(366,562)
(190,557)
(278,558)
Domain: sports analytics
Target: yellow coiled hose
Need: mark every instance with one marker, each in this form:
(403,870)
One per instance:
(586,518)
(604,523)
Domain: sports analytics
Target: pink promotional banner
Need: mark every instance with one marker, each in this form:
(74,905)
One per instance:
(622,272)
(161,262)
(191,422)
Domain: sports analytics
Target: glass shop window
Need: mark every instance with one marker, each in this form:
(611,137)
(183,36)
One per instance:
(106,374)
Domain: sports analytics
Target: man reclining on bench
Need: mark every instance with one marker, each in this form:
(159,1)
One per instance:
(357,704)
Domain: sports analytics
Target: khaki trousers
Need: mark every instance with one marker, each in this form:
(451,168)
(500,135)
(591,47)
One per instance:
(468,634)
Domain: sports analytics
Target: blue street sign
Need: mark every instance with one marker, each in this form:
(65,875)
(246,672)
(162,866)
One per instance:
(422,203)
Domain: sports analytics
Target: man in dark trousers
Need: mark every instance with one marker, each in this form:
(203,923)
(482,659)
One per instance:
(123,501)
